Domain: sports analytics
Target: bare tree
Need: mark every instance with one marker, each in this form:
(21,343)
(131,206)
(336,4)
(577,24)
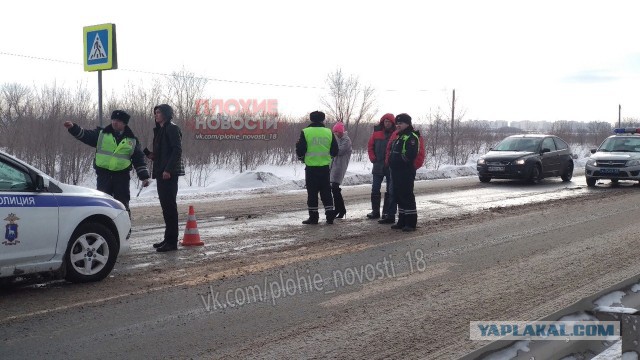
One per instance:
(184,89)
(455,131)
(15,104)
(348,101)
(598,131)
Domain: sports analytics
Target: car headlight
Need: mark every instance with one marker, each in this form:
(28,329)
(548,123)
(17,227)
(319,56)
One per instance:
(633,162)
(480,161)
(519,162)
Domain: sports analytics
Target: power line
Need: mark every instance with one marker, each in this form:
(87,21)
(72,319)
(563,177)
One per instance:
(168,75)
(196,77)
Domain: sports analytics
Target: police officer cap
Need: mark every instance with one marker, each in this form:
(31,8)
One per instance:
(120,115)
(403,118)
(316,116)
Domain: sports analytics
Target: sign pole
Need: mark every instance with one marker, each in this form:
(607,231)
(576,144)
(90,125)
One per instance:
(100,54)
(100,97)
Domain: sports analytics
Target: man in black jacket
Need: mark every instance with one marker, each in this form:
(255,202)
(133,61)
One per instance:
(403,152)
(117,151)
(315,147)
(167,166)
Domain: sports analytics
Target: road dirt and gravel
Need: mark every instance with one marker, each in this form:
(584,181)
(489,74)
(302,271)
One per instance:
(464,263)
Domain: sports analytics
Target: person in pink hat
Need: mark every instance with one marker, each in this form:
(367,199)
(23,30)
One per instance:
(339,166)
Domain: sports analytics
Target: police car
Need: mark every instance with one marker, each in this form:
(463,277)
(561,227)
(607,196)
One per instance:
(55,228)
(617,158)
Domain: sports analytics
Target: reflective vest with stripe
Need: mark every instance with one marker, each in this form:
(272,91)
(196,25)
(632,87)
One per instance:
(112,156)
(318,146)
(405,138)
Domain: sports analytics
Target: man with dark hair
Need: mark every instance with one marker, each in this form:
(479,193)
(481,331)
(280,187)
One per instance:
(315,147)
(167,166)
(117,151)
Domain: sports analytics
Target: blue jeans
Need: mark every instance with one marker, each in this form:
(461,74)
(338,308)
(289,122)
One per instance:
(390,208)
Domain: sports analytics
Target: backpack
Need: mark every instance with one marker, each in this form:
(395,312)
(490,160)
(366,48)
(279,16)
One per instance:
(418,162)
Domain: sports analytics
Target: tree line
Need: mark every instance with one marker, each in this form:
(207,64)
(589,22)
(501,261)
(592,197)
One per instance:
(31,128)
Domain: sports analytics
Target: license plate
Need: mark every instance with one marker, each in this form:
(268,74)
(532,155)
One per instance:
(496,168)
(610,171)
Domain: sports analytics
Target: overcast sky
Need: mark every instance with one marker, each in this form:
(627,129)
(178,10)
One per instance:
(507,60)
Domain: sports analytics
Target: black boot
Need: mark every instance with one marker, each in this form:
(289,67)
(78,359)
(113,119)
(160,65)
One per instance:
(375,207)
(385,205)
(167,247)
(159,244)
(338,201)
(330,214)
(411,221)
(313,218)
(401,222)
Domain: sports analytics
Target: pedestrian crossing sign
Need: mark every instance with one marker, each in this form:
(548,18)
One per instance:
(100,47)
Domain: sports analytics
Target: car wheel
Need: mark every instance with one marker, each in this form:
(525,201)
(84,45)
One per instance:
(91,253)
(484,179)
(591,182)
(568,173)
(535,175)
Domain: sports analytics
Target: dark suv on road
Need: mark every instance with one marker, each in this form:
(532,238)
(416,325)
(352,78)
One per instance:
(529,157)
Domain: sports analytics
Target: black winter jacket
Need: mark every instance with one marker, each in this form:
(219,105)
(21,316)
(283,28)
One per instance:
(410,142)
(167,150)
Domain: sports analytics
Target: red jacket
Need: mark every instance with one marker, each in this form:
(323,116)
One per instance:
(378,143)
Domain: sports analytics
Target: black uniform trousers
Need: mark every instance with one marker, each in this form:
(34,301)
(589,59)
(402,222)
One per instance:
(403,180)
(168,192)
(317,180)
(115,184)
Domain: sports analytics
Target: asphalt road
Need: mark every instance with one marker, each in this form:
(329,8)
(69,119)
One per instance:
(265,286)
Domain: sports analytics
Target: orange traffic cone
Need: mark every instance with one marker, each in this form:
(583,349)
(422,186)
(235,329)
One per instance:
(191,235)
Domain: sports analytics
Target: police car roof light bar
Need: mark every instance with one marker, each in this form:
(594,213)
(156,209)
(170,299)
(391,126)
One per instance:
(626,130)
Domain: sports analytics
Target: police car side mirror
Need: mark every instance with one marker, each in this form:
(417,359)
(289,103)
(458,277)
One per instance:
(593,151)
(545,150)
(574,156)
(42,184)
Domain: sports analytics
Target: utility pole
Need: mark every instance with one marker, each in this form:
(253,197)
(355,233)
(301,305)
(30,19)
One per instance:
(619,112)
(453,111)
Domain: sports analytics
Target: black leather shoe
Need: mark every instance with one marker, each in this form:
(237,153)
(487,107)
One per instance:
(387,220)
(373,215)
(408,229)
(311,221)
(167,247)
(159,244)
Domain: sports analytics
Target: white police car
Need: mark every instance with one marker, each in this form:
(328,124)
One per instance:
(617,158)
(56,228)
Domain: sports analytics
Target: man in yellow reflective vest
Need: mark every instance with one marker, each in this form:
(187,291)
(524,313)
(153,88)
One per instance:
(117,151)
(315,147)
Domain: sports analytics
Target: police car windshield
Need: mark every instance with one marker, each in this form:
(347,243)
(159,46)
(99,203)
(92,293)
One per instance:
(621,144)
(518,144)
